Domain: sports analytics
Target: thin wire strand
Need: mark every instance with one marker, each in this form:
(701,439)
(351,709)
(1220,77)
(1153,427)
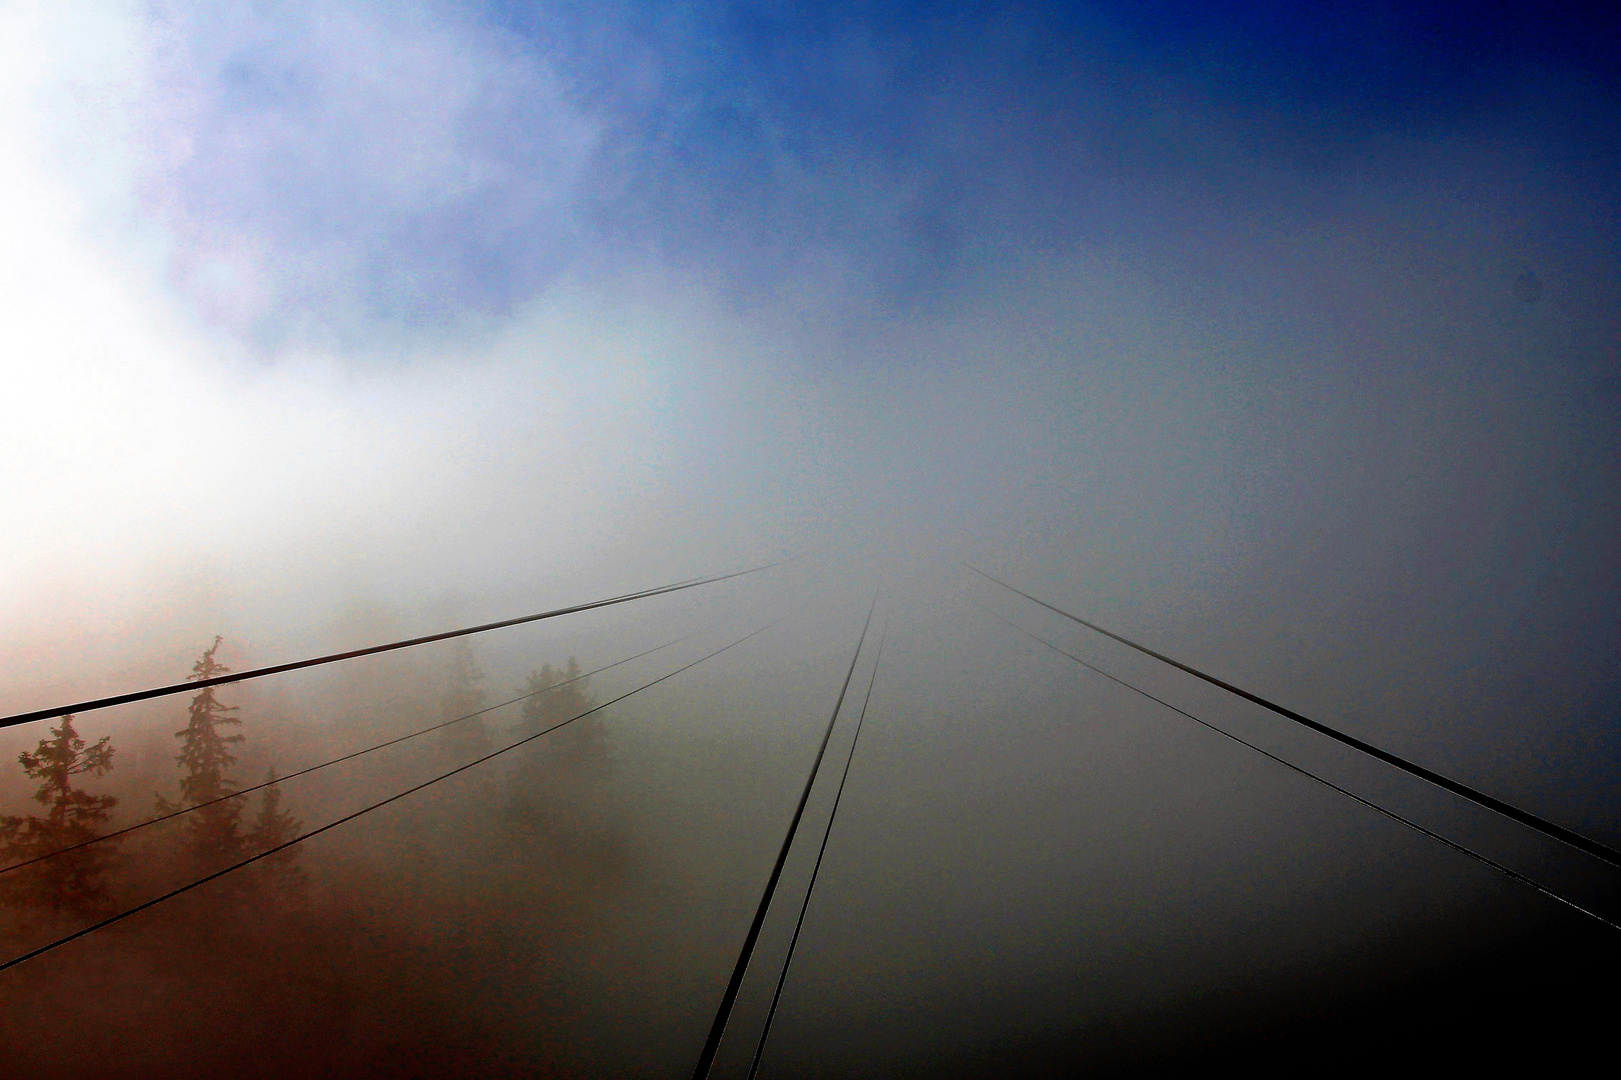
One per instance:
(706,1057)
(192,685)
(170,895)
(1581,843)
(335,761)
(1391,814)
(782,976)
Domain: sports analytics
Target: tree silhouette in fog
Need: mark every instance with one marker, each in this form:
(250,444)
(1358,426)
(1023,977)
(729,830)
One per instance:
(584,743)
(73,882)
(214,830)
(464,694)
(558,813)
(271,827)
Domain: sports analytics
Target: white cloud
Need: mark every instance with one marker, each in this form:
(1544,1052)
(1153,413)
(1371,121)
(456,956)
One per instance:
(330,161)
(139,447)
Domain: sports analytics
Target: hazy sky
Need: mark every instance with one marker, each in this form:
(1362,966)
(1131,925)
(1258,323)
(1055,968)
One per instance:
(1208,318)
(1286,340)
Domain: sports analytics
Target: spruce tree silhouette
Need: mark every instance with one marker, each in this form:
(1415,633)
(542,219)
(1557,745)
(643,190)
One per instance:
(272,826)
(559,817)
(464,694)
(213,832)
(74,882)
(544,709)
(581,749)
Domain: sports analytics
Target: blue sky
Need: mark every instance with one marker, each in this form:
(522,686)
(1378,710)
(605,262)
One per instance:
(453,156)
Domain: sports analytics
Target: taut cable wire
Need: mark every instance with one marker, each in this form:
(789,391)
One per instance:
(332,658)
(706,1057)
(782,976)
(1391,814)
(1542,825)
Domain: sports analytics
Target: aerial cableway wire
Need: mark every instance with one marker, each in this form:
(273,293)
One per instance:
(193,685)
(334,761)
(1391,814)
(1542,825)
(706,1058)
(782,976)
(171,894)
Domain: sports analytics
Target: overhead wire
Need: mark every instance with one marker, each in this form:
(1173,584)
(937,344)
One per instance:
(1550,829)
(334,761)
(706,1057)
(799,924)
(192,685)
(275,849)
(1391,814)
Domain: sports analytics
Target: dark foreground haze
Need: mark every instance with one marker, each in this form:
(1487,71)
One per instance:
(1285,340)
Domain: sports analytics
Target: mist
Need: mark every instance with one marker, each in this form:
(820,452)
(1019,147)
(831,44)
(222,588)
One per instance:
(1286,344)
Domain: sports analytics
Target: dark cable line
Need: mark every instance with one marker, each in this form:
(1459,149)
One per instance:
(277,669)
(1391,814)
(782,976)
(712,1044)
(1524,817)
(335,761)
(170,895)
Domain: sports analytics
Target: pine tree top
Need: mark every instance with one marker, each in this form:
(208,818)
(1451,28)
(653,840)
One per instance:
(206,666)
(64,754)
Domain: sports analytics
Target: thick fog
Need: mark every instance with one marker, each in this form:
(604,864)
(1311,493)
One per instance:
(1286,344)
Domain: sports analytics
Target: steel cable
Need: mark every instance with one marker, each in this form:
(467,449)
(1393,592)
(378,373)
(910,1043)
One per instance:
(332,658)
(712,1044)
(1480,798)
(782,976)
(1391,814)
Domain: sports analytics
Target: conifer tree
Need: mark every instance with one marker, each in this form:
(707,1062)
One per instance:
(72,883)
(553,706)
(464,694)
(273,826)
(215,830)
(558,815)
(583,744)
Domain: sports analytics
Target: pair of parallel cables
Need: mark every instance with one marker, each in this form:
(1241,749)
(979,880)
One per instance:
(1541,825)
(723,1015)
